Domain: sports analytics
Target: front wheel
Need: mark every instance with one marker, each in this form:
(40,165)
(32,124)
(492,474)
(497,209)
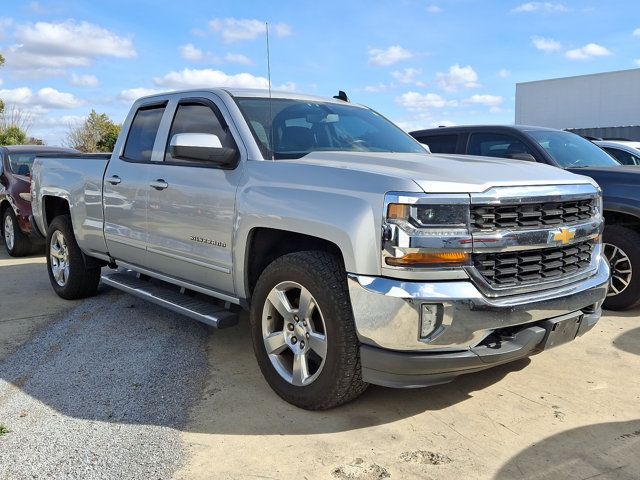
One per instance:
(69,276)
(303,331)
(621,247)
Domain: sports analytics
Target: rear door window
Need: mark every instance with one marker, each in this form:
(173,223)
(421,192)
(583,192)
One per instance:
(142,134)
(440,143)
(496,145)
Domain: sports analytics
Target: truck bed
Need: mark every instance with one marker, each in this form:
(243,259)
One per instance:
(77,178)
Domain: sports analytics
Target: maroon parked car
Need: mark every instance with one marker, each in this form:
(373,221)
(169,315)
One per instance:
(15,202)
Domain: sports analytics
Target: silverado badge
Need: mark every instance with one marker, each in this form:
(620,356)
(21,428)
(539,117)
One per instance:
(208,241)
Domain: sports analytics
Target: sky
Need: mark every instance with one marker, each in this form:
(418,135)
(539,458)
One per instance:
(419,63)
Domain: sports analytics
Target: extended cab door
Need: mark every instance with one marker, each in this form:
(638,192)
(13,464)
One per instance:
(126,188)
(192,202)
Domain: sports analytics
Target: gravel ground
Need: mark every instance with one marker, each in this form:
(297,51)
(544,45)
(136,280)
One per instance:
(101,393)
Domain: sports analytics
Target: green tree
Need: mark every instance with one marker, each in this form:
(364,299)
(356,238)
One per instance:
(12,135)
(98,133)
(14,126)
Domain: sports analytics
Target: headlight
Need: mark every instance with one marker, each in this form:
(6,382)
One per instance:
(429,216)
(426,231)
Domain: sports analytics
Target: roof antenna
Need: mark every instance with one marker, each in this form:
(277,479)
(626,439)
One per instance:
(271,143)
(341,96)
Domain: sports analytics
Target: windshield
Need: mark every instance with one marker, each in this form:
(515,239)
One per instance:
(21,163)
(572,151)
(301,127)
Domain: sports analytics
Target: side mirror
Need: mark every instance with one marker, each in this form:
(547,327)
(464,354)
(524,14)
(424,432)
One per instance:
(527,157)
(426,147)
(204,147)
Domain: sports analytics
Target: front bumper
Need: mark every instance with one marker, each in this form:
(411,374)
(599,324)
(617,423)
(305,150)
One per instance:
(387,316)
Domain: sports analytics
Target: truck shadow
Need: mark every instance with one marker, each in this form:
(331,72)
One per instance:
(629,341)
(117,359)
(602,450)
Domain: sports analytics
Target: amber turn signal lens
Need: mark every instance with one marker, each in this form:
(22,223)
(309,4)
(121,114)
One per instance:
(429,259)
(397,211)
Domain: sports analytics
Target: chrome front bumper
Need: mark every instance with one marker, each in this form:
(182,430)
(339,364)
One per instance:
(387,311)
(387,317)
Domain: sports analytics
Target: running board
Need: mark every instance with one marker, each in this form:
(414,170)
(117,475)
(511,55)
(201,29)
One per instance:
(205,312)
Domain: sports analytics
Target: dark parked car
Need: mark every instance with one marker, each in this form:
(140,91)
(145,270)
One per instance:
(620,185)
(15,200)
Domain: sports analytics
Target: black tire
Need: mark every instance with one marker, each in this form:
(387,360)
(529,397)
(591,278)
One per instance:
(82,282)
(324,276)
(628,241)
(21,244)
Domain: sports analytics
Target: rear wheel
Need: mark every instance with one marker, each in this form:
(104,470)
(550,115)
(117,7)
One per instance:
(69,276)
(303,331)
(622,249)
(16,242)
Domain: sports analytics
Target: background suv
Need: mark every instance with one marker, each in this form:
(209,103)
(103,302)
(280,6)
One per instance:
(620,185)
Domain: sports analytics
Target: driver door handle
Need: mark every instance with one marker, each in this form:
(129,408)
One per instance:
(159,184)
(114,180)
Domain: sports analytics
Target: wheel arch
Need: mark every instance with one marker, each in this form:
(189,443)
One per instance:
(265,244)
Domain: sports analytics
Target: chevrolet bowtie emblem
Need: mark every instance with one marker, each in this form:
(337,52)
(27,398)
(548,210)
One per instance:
(564,235)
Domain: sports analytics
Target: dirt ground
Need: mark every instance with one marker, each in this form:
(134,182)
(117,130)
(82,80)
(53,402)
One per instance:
(572,412)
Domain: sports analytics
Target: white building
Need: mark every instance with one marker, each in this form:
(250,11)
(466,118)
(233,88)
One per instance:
(603,105)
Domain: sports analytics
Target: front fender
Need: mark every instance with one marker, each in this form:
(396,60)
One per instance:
(349,221)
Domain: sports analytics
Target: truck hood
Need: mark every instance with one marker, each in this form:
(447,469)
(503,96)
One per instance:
(446,173)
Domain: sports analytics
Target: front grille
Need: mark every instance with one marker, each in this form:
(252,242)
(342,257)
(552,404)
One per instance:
(530,215)
(512,269)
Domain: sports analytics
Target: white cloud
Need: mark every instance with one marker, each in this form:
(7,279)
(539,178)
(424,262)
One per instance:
(84,80)
(456,77)
(636,32)
(380,87)
(241,29)
(56,46)
(484,99)
(504,73)
(191,53)
(590,50)
(530,7)
(194,54)
(415,102)
(408,76)
(388,56)
(434,8)
(43,99)
(637,62)
(209,78)
(546,44)
(132,94)
(238,58)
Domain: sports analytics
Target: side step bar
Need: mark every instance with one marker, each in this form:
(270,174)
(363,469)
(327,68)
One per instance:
(205,312)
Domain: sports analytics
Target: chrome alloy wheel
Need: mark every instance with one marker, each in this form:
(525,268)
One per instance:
(294,333)
(9,232)
(59,253)
(621,270)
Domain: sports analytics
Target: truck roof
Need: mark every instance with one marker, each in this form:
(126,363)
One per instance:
(253,92)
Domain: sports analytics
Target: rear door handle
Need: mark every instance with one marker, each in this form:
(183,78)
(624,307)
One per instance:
(159,184)
(114,180)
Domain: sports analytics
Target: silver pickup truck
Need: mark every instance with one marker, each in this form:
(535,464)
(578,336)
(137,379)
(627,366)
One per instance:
(361,258)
